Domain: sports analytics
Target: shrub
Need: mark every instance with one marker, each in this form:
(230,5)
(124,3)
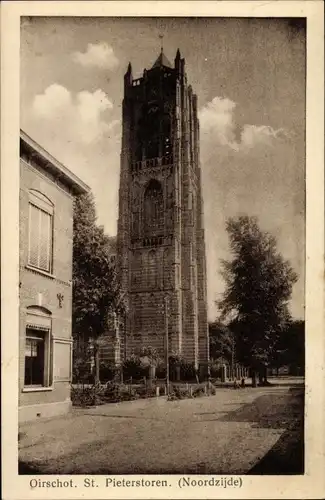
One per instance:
(81,373)
(145,392)
(119,392)
(106,371)
(198,392)
(161,371)
(132,367)
(188,372)
(86,395)
(215,370)
(178,393)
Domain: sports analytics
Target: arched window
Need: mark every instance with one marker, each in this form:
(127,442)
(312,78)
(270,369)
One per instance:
(153,209)
(152,269)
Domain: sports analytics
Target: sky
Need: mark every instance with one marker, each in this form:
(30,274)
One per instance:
(249,75)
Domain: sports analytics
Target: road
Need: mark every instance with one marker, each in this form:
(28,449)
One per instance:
(230,433)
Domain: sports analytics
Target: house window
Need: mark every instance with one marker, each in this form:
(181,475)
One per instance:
(36,358)
(40,232)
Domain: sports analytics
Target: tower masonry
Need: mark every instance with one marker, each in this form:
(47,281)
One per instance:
(160,243)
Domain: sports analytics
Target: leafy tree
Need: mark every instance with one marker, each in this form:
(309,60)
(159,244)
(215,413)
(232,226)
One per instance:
(258,289)
(290,348)
(221,342)
(96,291)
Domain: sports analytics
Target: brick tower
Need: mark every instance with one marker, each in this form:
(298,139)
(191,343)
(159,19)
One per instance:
(161,248)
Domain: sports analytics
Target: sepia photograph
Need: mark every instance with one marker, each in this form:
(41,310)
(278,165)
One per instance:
(162,250)
(162,222)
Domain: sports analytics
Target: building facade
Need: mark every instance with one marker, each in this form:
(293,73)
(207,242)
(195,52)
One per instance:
(46,195)
(161,245)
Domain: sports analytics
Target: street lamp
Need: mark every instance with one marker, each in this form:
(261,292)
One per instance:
(167,344)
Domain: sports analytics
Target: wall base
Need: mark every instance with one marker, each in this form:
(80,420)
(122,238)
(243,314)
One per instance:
(43,410)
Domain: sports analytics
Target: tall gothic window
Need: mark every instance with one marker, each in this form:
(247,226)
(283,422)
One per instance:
(153,210)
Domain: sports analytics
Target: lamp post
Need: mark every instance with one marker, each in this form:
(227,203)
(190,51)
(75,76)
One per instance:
(167,344)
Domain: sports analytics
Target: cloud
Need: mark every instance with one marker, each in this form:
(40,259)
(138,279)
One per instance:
(253,134)
(78,116)
(217,121)
(99,55)
(218,125)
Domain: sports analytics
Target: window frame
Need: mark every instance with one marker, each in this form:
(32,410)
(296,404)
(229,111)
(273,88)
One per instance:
(47,357)
(43,204)
(40,319)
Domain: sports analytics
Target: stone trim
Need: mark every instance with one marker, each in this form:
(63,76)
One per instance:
(34,270)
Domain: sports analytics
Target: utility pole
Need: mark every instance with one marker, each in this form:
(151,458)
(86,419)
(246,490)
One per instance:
(167,344)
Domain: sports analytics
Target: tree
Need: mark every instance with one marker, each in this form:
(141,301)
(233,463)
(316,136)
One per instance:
(96,291)
(221,342)
(290,348)
(258,288)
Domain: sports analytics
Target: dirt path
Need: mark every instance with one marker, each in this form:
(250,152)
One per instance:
(227,433)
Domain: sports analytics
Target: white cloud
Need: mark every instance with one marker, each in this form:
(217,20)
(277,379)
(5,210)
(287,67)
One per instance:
(99,55)
(51,103)
(218,126)
(253,134)
(217,121)
(77,116)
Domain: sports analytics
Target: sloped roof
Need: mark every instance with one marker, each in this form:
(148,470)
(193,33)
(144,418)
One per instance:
(162,61)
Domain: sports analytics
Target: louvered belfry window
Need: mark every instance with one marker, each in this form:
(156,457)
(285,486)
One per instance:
(40,232)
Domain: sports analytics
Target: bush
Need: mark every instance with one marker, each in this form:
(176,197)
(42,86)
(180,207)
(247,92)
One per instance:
(132,367)
(106,371)
(178,393)
(81,373)
(161,371)
(215,370)
(86,395)
(188,372)
(198,392)
(145,392)
(119,392)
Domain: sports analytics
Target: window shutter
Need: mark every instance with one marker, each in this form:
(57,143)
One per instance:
(34,230)
(40,238)
(45,241)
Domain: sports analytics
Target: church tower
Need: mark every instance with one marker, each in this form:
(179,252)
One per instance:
(161,248)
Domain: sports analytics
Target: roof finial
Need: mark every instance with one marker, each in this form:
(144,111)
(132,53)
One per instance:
(161,43)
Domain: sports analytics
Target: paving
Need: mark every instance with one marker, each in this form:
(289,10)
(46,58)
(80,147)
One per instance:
(227,433)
